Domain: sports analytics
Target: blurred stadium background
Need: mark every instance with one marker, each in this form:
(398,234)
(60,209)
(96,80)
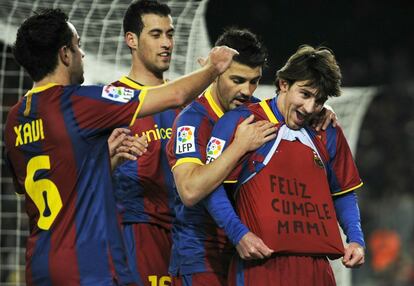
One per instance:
(373,42)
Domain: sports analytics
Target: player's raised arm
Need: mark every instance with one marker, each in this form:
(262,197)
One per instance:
(186,88)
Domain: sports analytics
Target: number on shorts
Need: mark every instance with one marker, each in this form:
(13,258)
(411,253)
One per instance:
(163,281)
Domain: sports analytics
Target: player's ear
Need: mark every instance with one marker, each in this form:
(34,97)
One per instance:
(283,85)
(64,55)
(131,40)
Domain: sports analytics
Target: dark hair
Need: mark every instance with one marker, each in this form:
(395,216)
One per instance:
(133,15)
(251,50)
(38,41)
(318,66)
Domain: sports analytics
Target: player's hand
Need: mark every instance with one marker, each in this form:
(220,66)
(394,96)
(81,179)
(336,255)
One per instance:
(354,255)
(251,135)
(252,247)
(219,58)
(324,118)
(131,147)
(123,146)
(116,138)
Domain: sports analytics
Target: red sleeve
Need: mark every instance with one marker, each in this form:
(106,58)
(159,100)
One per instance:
(345,177)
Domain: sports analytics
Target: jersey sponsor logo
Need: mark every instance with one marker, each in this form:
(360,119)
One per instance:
(157,133)
(117,93)
(185,140)
(214,148)
(29,132)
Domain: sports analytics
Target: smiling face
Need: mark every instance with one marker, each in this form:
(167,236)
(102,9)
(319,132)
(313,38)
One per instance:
(155,43)
(236,85)
(298,103)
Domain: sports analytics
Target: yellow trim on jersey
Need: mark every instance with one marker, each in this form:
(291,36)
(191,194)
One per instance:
(134,85)
(217,110)
(231,182)
(41,88)
(28,104)
(30,93)
(268,112)
(141,98)
(144,89)
(348,190)
(187,160)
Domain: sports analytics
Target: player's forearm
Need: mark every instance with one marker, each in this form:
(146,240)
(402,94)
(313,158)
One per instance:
(190,86)
(347,212)
(204,179)
(223,213)
(178,92)
(114,163)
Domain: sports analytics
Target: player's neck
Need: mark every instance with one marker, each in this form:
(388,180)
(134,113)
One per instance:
(145,77)
(56,78)
(280,103)
(215,95)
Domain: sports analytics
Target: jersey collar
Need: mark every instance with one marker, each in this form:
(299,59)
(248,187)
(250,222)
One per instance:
(29,94)
(272,112)
(214,106)
(41,88)
(133,84)
(129,82)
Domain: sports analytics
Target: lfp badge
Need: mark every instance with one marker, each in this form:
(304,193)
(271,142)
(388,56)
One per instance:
(185,140)
(117,93)
(214,148)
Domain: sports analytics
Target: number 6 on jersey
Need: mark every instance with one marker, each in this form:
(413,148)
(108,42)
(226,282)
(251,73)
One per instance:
(43,192)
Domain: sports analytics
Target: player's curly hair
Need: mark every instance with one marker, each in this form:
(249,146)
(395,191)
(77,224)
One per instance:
(133,15)
(318,66)
(252,51)
(38,41)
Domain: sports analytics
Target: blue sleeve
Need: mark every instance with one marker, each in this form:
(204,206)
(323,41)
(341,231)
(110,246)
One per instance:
(347,212)
(222,211)
(217,203)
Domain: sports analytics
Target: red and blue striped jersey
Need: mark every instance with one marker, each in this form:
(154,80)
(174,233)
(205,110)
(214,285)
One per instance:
(331,144)
(198,244)
(145,188)
(331,154)
(56,143)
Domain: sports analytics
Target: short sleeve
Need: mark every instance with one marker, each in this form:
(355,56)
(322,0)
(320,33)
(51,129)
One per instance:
(98,108)
(343,174)
(191,131)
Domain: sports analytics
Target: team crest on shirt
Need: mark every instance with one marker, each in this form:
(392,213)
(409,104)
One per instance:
(117,93)
(185,140)
(214,148)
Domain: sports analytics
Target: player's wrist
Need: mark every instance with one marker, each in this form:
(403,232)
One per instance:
(239,148)
(236,239)
(213,70)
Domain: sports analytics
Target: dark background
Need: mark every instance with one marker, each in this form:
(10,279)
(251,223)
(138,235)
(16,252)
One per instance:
(374,44)
(373,40)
